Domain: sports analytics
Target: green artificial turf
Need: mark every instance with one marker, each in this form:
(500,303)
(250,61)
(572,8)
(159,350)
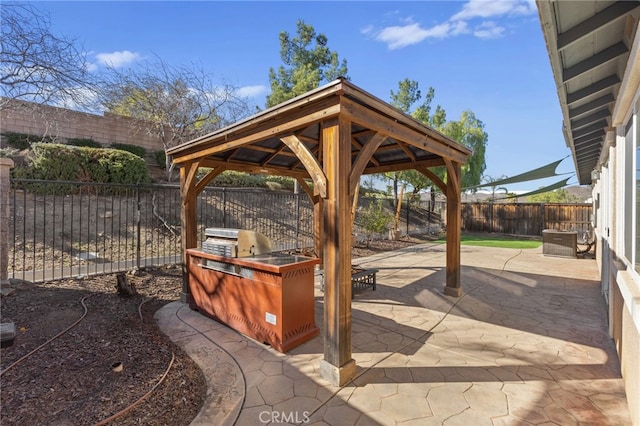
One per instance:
(491,241)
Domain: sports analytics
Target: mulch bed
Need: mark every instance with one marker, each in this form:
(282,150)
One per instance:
(70,380)
(52,376)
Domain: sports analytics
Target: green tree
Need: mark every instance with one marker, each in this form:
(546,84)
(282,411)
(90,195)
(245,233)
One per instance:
(558,196)
(308,63)
(468,130)
(407,95)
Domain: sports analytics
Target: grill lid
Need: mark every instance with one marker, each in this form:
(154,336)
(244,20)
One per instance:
(246,243)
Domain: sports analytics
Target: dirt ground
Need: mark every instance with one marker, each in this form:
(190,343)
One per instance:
(71,337)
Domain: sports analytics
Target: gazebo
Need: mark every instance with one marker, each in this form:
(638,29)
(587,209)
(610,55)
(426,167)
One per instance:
(327,139)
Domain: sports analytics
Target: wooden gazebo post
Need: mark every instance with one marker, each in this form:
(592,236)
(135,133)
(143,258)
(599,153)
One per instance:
(190,187)
(454,212)
(337,367)
(452,190)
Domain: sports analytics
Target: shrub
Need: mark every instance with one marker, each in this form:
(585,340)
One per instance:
(285,183)
(23,141)
(235,179)
(83,142)
(85,164)
(160,157)
(134,149)
(375,219)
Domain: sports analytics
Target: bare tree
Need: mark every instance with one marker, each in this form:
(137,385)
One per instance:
(175,104)
(36,65)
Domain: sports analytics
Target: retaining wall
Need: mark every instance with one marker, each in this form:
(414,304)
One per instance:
(62,124)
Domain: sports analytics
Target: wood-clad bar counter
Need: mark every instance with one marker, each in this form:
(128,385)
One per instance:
(268,297)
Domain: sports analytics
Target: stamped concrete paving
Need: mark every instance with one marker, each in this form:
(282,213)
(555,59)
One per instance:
(526,344)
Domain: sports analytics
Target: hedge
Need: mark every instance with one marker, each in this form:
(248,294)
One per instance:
(86,164)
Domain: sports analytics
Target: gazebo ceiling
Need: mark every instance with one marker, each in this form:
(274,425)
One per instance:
(265,142)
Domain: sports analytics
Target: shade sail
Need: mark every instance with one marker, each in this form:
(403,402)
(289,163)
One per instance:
(552,187)
(543,172)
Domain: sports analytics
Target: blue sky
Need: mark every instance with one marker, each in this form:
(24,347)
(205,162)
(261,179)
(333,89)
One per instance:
(485,56)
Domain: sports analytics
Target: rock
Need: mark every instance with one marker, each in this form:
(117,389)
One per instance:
(19,284)
(7,291)
(7,331)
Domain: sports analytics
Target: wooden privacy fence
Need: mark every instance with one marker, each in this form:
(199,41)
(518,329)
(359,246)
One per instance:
(526,218)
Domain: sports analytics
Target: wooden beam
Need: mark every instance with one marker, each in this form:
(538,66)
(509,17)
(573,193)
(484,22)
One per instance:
(590,106)
(364,132)
(189,221)
(453,175)
(591,128)
(280,127)
(588,119)
(404,166)
(598,86)
(318,209)
(306,188)
(337,367)
(407,151)
(208,178)
(606,55)
(454,212)
(354,205)
(309,162)
(255,169)
(429,141)
(273,154)
(589,26)
(363,158)
(189,180)
(433,178)
(318,226)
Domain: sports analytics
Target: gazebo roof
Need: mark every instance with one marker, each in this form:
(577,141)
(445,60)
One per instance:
(283,139)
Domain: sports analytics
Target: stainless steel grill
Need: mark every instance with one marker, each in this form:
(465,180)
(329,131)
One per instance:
(230,242)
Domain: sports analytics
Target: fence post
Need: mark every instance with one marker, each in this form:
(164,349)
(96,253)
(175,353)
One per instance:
(224,207)
(408,208)
(6,164)
(297,195)
(490,216)
(138,225)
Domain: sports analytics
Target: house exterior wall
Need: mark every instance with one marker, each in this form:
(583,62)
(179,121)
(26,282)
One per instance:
(616,192)
(62,124)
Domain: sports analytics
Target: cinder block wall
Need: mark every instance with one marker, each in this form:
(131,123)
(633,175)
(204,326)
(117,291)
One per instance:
(62,124)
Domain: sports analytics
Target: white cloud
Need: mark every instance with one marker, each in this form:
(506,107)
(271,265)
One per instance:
(488,30)
(117,59)
(367,30)
(91,67)
(490,8)
(397,37)
(400,36)
(252,91)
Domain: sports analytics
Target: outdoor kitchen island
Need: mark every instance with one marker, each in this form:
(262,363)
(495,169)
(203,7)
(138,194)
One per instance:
(268,297)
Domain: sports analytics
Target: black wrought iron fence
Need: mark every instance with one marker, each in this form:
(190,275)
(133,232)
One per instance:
(66,229)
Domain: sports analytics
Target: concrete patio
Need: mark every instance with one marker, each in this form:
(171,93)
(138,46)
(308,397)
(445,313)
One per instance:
(526,344)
